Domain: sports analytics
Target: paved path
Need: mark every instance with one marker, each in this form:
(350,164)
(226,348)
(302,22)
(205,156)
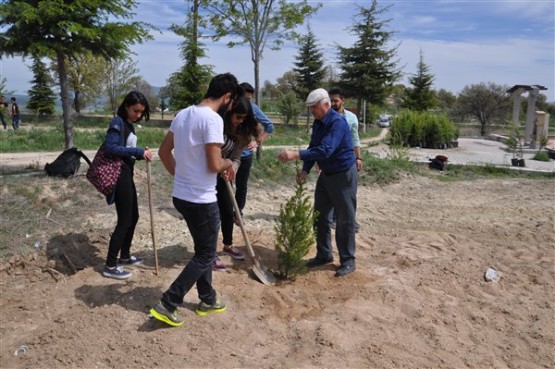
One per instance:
(470,151)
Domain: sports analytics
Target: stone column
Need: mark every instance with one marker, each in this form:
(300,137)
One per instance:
(517,95)
(530,114)
(542,125)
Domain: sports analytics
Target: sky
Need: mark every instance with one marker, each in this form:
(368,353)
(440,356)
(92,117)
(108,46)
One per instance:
(464,42)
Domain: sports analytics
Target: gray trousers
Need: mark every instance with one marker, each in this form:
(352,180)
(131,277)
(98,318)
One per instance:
(339,192)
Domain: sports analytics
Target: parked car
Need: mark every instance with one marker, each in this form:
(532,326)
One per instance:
(384,120)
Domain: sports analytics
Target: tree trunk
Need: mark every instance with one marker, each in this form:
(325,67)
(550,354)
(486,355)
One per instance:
(76,102)
(307,119)
(66,102)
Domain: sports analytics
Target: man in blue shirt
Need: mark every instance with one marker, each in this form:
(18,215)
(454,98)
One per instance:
(336,188)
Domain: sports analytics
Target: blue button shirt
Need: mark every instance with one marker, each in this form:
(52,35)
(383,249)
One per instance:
(262,119)
(330,145)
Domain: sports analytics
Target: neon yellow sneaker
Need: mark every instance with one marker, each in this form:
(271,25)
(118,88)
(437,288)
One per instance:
(162,314)
(217,307)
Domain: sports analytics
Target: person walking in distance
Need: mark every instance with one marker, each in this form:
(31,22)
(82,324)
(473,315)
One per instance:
(336,187)
(15,113)
(121,141)
(337,98)
(192,153)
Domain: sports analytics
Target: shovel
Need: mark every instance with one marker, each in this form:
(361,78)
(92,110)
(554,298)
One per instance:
(148,174)
(263,274)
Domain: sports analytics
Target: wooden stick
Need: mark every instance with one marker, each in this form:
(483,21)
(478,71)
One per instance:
(148,172)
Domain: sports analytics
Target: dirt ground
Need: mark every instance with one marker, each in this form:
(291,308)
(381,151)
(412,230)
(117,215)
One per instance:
(417,300)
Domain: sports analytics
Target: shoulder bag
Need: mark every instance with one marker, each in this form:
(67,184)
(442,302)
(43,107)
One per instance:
(104,171)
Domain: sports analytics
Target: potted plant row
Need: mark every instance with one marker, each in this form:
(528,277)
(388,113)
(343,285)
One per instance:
(514,144)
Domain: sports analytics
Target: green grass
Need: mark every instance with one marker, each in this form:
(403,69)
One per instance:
(88,135)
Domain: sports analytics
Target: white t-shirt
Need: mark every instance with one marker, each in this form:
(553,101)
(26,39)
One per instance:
(192,129)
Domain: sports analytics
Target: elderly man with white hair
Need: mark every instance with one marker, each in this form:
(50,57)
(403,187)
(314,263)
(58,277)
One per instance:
(336,188)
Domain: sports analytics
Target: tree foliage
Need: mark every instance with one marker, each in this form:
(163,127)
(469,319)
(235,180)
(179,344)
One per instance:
(187,85)
(257,23)
(369,67)
(62,29)
(486,102)
(295,232)
(118,81)
(421,96)
(309,65)
(289,106)
(446,100)
(42,100)
(84,72)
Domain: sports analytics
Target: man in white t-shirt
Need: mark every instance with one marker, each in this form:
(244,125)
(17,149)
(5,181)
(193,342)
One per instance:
(196,137)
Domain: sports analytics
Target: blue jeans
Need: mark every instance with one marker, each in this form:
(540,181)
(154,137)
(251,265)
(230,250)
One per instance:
(203,221)
(339,192)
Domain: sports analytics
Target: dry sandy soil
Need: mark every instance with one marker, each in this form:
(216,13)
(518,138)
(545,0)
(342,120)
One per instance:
(417,300)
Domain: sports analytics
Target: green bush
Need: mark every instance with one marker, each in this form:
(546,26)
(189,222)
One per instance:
(423,129)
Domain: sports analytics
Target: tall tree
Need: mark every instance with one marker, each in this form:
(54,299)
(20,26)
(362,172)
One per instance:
(485,102)
(289,81)
(189,83)
(257,23)
(309,64)
(310,67)
(421,96)
(369,67)
(41,97)
(63,28)
(118,80)
(83,78)
(446,99)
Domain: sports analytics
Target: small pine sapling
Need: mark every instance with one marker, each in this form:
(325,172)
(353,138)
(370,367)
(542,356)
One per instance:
(295,232)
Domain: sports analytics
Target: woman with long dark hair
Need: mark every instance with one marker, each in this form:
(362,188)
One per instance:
(239,128)
(121,141)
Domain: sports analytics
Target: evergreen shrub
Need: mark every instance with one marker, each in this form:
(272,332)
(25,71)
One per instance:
(423,129)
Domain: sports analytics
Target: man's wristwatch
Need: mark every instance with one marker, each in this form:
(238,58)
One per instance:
(358,159)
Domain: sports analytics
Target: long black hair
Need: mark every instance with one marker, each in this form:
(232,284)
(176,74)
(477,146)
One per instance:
(132,98)
(248,128)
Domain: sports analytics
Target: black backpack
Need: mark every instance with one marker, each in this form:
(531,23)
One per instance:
(66,164)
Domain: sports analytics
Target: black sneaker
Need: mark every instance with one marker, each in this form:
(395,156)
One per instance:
(164,315)
(204,308)
(133,260)
(316,262)
(116,272)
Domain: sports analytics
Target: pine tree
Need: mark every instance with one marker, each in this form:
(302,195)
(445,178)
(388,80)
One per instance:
(187,86)
(309,65)
(310,68)
(295,232)
(369,68)
(41,97)
(421,97)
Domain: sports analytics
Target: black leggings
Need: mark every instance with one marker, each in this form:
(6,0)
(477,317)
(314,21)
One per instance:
(127,209)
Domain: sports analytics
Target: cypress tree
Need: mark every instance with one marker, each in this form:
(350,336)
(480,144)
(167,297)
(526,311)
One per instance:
(421,96)
(41,97)
(295,232)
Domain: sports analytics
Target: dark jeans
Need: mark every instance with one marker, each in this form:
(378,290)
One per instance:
(226,211)
(15,121)
(3,120)
(203,221)
(241,181)
(127,209)
(339,192)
